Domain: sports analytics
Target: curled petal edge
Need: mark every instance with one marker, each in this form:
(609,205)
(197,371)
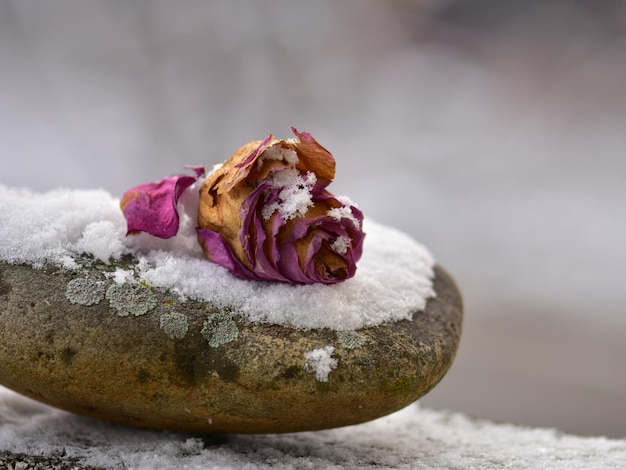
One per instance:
(151,207)
(220,252)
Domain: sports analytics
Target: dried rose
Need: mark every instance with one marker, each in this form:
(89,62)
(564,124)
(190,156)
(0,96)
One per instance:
(266,214)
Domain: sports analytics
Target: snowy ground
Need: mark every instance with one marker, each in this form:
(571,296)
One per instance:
(492,132)
(413,438)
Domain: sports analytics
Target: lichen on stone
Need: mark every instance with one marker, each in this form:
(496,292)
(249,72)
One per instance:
(85,291)
(351,339)
(219,329)
(131,299)
(174,324)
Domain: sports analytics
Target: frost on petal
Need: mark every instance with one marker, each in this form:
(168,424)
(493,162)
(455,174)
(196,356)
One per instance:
(275,219)
(314,157)
(341,244)
(151,207)
(295,193)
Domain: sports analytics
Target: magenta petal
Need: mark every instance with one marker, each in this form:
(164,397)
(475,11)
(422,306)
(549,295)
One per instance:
(273,261)
(221,253)
(289,265)
(151,207)
(250,224)
(255,153)
(252,234)
(199,170)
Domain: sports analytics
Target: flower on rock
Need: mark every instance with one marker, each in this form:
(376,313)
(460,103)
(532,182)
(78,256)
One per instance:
(264,214)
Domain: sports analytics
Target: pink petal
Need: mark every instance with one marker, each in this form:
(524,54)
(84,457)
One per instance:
(151,207)
(221,253)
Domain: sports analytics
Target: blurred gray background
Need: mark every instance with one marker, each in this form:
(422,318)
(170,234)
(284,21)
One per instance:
(492,131)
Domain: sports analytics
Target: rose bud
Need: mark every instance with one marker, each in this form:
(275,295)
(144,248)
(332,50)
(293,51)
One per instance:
(265,214)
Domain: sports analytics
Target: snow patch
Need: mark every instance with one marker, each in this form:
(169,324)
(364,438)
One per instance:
(393,279)
(341,244)
(320,362)
(276,152)
(295,196)
(344,212)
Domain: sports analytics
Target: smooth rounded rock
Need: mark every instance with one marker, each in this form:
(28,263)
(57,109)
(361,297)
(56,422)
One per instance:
(138,355)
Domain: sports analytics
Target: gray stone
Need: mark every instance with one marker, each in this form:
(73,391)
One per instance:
(140,356)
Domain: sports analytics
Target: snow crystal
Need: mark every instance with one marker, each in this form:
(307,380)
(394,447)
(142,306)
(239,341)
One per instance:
(393,279)
(121,276)
(41,227)
(320,362)
(102,239)
(295,197)
(344,212)
(276,152)
(341,244)
(346,201)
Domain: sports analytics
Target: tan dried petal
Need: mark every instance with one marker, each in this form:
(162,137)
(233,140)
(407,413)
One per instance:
(264,214)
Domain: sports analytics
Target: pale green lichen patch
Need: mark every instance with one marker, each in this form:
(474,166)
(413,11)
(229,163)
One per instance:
(351,339)
(84,291)
(174,324)
(131,299)
(219,329)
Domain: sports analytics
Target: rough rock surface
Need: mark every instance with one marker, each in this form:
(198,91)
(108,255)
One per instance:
(10,461)
(140,356)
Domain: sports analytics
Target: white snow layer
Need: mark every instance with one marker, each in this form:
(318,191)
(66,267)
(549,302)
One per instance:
(295,197)
(414,438)
(393,280)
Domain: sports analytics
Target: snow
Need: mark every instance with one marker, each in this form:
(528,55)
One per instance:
(320,362)
(295,197)
(276,152)
(393,280)
(341,245)
(344,211)
(413,438)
